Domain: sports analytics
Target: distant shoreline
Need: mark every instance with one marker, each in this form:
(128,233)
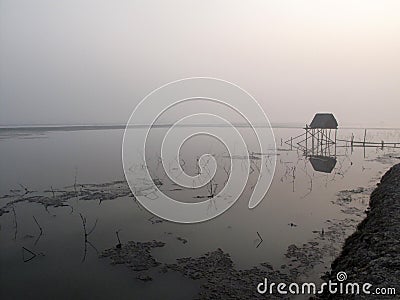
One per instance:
(122,126)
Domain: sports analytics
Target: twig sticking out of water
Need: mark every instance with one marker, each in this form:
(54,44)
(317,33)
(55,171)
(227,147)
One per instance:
(46,208)
(211,189)
(25,188)
(86,235)
(41,231)
(183,163)
(37,223)
(33,254)
(212,193)
(118,246)
(15,223)
(261,240)
(227,172)
(311,183)
(294,176)
(75,180)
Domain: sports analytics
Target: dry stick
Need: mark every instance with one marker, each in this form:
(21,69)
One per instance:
(31,252)
(294,176)
(227,175)
(211,196)
(86,234)
(365,134)
(306,140)
(75,185)
(15,223)
(91,245)
(37,223)
(118,246)
(25,188)
(258,245)
(94,226)
(83,224)
(183,162)
(211,189)
(52,191)
(311,182)
(75,179)
(261,240)
(41,231)
(46,208)
(84,253)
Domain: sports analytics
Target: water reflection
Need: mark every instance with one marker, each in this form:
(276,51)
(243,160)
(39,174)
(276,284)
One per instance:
(324,164)
(79,171)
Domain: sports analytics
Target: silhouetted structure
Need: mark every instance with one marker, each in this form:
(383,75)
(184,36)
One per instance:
(324,121)
(319,142)
(319,132)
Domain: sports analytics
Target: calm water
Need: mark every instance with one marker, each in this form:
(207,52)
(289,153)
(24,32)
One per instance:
(43,160)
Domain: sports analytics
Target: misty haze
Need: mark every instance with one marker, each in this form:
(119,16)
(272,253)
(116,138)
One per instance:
(198,149)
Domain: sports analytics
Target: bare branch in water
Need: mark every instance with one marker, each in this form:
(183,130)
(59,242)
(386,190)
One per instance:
(15,223)
(41,231)
(261,240)
(33,254)
(118,246)
(86,234)
(25,188)
(75,180)
(93,228)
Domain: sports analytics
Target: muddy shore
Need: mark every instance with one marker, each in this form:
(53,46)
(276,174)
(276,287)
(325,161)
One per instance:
(372,253)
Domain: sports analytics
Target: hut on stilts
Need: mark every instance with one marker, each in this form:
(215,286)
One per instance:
(319,142)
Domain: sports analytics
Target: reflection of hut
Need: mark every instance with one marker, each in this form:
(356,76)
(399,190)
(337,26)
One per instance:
(323,164)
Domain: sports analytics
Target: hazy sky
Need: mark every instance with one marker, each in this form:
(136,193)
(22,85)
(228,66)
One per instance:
(81,61)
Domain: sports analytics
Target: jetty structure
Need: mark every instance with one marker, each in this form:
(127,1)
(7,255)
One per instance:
(319,142)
